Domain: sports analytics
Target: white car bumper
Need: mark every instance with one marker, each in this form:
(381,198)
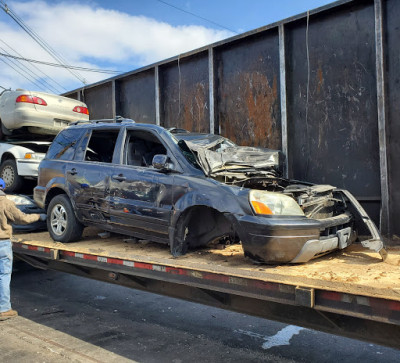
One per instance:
(32,118)
(28,168)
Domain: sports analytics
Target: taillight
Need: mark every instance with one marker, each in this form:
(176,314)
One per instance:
(81,109)
(31,99)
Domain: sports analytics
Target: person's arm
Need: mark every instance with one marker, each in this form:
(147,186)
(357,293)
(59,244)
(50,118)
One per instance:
(14,215)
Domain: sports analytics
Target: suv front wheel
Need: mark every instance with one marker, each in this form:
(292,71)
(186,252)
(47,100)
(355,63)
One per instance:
(61,221)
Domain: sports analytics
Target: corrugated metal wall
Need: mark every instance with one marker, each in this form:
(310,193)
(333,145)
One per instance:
(321,86)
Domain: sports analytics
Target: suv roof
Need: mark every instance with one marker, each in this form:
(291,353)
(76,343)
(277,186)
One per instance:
(118,121)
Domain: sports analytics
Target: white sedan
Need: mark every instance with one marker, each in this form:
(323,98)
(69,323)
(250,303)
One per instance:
(38,112)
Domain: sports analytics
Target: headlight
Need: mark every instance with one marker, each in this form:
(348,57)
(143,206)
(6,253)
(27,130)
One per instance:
(274,204)
(20,200)
(30,156)
(34,156)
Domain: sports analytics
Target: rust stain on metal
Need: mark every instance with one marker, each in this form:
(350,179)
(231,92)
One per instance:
(185,96)
(195,109)
(255,117)
(320,78)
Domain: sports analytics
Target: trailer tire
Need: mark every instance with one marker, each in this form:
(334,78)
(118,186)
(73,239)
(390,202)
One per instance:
(9,173)
(62,224)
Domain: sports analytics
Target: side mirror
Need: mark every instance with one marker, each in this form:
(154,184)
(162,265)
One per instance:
(161,162)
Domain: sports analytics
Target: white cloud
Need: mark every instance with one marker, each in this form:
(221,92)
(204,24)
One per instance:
(91,36)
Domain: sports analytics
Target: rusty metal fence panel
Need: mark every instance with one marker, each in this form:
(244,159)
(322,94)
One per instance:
(135,97)
(392,31)
(248,90)
(100,100)
(332,101)
(323,86)
(184,93)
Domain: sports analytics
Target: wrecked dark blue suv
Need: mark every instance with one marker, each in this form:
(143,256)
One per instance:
(188,190)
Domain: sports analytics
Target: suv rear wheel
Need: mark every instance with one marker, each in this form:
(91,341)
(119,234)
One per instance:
(62,224)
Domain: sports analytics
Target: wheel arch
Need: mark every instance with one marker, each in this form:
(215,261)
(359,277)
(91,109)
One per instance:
(224,202)
(187,232)
(57,190)
(8,156)
(52,193)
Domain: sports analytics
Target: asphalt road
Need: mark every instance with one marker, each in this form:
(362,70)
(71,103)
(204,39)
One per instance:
(70,318)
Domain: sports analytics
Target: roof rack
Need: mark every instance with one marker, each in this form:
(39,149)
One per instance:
(117,119)
(177,130)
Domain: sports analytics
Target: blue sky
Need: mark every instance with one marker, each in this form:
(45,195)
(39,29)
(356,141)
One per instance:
(238,15)
(121,35)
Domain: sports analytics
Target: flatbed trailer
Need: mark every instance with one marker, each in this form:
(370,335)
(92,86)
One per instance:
(350,293)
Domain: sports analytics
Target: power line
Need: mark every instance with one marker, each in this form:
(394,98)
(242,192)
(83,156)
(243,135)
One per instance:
(37,68)
(30,69)
(42,43)
(39,40)
(61,65)
(23,75)
(31,74)
(197,16)
(23,71)
(16,67)
(27,71)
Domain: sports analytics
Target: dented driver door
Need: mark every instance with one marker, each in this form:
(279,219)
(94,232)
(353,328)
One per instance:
(141,197)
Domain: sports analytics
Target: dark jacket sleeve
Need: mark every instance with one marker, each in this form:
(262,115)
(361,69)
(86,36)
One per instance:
(14,215)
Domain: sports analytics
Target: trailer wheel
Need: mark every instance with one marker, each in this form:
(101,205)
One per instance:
(62,224)
(9,173)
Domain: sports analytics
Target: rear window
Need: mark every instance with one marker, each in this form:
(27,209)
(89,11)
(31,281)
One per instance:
(98,145)
(64,145)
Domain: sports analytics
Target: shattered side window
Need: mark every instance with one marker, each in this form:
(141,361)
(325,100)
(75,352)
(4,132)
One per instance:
(101,146)
(64,145)
(188,154)
(80,151)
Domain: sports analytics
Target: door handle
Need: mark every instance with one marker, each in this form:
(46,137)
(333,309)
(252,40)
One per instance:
(73,171)
(119,177)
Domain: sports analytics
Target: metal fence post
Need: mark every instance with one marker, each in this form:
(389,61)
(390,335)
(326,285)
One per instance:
(382,118)
(157,93)
(282,68)
(211,88)
(113,99)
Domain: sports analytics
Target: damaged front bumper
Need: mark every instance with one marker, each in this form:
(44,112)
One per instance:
(375,243)
(299,239)
(293,240)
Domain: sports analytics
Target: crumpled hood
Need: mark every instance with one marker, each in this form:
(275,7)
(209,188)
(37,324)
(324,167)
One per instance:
(236,157)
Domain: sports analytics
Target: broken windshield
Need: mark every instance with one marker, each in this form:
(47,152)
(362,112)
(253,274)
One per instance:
(215,143)
(214,154)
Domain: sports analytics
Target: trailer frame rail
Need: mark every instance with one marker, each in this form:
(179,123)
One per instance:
(356,316)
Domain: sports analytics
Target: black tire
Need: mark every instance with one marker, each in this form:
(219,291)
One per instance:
(179,246)
(9,173)
(62,224)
